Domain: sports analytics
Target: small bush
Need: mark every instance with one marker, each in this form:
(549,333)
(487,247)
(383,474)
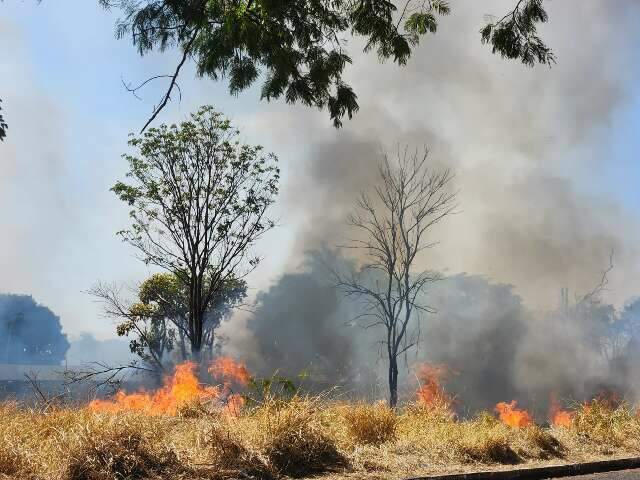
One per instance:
(541,444)
(489,447)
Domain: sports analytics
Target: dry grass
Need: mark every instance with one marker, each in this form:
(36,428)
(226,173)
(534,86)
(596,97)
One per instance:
(370,424)
(299,437)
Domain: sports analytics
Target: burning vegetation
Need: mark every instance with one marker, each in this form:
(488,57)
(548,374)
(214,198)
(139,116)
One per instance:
(183,388)
(241,426)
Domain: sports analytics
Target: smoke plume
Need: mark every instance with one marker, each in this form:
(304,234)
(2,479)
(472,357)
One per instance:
(527,148)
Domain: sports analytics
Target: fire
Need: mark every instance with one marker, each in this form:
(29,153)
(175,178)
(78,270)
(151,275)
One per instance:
(558,416)
(512,416)
(182,388)
(609,398)
(430,392)
(230,372)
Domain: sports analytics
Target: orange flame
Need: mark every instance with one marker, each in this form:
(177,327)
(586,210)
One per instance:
(512,416)
(430,392)
(558,416)
(182,388)
(230,372)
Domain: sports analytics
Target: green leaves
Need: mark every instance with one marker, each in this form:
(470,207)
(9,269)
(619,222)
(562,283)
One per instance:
(199,201)
(421,23)
(243,73)
(515,35)
(296,46)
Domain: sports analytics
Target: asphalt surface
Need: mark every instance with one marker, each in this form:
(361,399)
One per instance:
(621,475)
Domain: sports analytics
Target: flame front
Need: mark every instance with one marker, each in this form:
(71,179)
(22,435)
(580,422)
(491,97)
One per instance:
(512,416)
(430,392)
(230,373)
(182,388)
(558,416)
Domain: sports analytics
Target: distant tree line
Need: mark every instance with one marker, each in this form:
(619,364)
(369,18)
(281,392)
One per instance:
(30,333)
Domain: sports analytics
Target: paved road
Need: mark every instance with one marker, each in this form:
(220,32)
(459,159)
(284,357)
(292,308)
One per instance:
(621,475)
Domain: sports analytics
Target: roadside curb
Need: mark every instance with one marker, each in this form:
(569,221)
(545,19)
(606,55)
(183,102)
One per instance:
(540,473)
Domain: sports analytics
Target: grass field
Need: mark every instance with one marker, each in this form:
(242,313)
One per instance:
(296,437)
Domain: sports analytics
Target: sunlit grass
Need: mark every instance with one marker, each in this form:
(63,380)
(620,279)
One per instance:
(297,437)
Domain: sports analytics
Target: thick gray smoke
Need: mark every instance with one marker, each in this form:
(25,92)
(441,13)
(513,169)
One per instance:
(495,348)
(526,146)
(527,149)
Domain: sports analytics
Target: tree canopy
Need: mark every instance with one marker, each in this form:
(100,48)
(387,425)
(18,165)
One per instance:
(298,47)
(30,333)
(200,201)
(163,311)
(514,36)
(157,322)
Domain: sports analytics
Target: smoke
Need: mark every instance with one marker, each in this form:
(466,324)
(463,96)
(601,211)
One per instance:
(527,147)
(298,327)
(86,349)
(495,348)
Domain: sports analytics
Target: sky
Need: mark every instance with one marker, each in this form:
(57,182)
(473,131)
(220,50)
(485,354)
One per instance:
(545,159)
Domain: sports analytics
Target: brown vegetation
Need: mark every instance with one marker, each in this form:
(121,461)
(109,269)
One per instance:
(298,437)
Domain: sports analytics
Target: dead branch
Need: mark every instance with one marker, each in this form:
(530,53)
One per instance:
(174,78)
(101,375)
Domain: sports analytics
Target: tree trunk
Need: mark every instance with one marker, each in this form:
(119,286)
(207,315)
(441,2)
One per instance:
(393,381)
(183,346)
(196,339)
(197,318)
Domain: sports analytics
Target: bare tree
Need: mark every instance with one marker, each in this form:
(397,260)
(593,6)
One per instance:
(395,222)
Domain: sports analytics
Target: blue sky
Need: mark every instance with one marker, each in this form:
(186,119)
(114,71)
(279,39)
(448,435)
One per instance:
(76,68)
(69,116)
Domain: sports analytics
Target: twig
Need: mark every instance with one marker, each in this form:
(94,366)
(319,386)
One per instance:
(174,78)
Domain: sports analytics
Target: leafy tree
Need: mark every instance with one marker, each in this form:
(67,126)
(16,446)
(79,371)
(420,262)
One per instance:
(395,224)
(199,202)
(298,47)
(3,126)
(30,333)
(158,319)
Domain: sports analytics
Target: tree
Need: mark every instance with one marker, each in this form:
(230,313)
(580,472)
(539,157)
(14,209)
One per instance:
(409,200)
(3,126)
(297,46)
(30,333)
(199,203)
(514,36)
(158,320)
